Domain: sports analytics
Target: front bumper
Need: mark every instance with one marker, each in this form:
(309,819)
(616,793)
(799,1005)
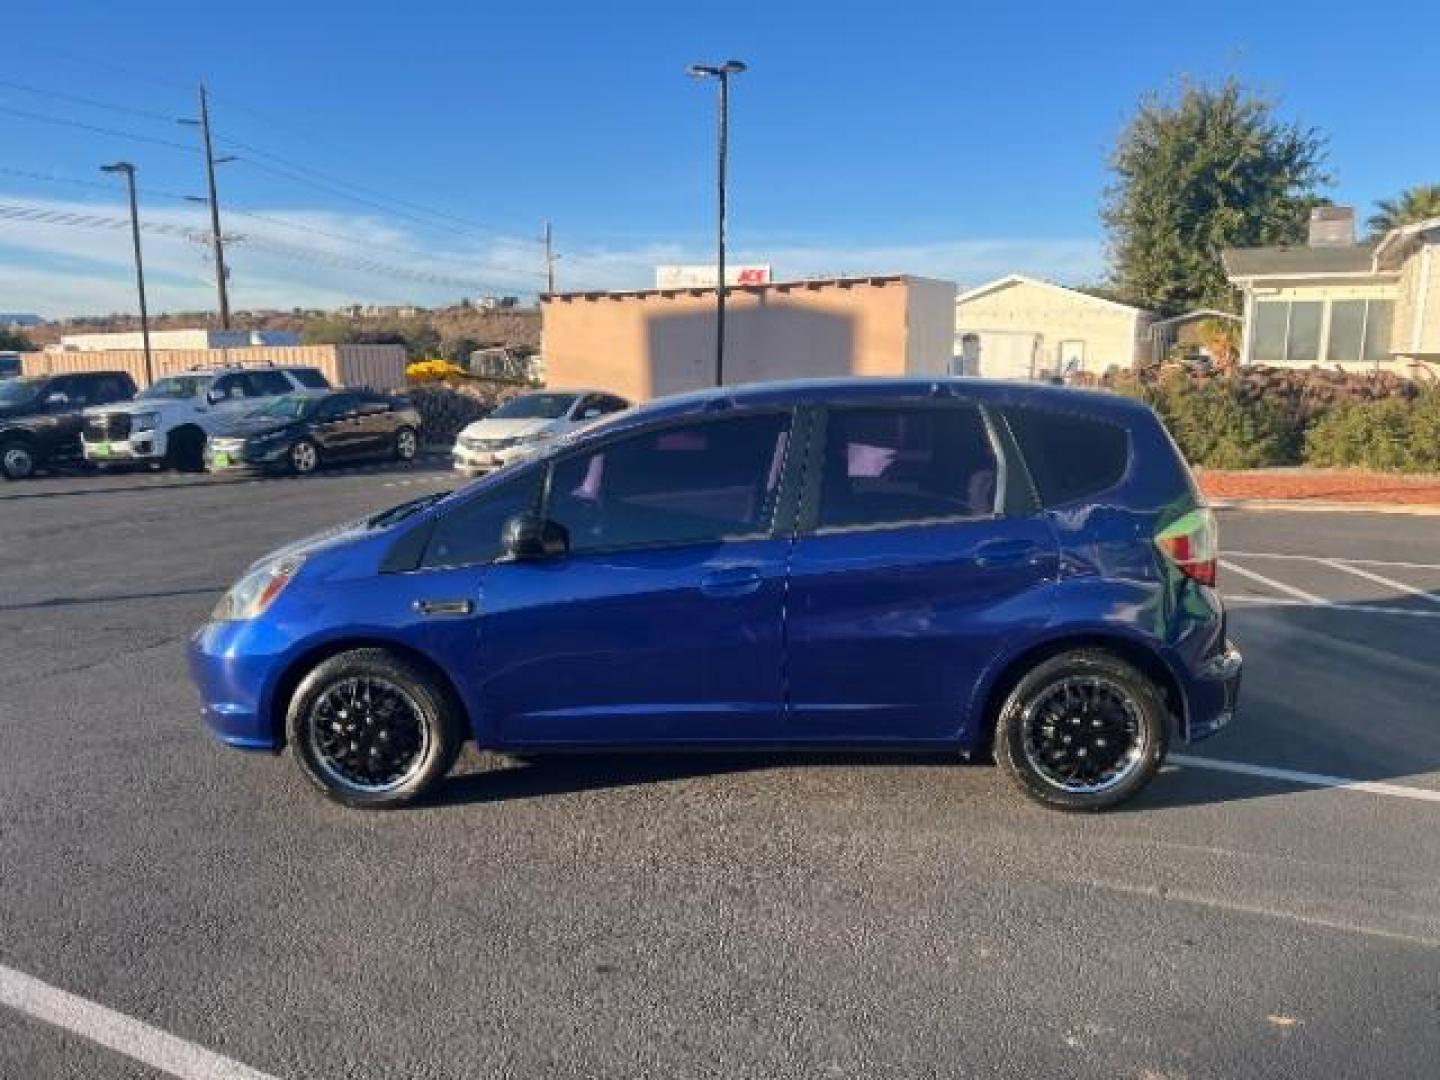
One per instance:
(140,446)
(1214,693)
(232,680)
(476,462)
(235,455)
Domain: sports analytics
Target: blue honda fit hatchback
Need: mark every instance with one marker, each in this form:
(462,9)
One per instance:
(950,565)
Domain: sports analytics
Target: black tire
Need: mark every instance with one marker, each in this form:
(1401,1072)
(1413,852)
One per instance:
(303,457)
(407,444)
(425,724)
(185,450)
(1083,731)
(18,459)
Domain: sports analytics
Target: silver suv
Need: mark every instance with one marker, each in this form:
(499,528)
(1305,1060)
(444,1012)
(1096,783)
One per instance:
(169,421)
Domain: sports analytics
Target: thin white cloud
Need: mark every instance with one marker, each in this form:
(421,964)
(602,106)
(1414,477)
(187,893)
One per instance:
(313,258)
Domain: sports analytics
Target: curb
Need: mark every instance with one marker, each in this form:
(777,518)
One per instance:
(1302,506)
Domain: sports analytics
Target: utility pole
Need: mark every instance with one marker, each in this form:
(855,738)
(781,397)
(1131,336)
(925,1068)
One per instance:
(216,239)
(128,171)
(722,73)
(549,260)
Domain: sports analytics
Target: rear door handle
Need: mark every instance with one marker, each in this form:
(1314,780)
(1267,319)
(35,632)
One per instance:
(731,581)
(444,607)
(1007,553)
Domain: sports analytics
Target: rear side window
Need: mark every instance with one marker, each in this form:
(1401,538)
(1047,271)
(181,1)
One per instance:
(889,466)
(310,378)
(266,383)
(1069,456)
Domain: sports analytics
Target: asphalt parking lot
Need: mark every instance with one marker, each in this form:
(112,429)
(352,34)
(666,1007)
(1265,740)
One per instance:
(1271,906)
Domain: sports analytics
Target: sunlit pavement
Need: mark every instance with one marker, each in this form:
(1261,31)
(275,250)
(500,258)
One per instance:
(1270,907)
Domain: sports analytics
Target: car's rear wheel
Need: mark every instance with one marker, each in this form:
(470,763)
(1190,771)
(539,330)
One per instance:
(407,444)
(17,460)
(371,730)
(304,458)
(1083,731)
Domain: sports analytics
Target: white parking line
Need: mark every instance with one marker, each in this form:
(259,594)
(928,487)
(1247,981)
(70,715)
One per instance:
(1398,586)
(1329,605)
(1244,768)
(116,1031)
(1278,586)
(1322,558)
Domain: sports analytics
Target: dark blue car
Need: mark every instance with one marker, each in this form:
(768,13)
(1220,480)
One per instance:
(950,565)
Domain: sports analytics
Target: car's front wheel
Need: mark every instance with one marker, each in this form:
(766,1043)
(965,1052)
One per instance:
(1083,731)
(17,460)
(304,458)
(407,444)
(372,730)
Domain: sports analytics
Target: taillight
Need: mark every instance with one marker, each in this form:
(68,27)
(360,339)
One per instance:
(1192,544)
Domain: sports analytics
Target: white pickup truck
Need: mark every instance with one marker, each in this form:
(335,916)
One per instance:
(169,421)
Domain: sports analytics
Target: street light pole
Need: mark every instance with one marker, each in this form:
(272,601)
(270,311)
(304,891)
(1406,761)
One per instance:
(721,73)
(129,172)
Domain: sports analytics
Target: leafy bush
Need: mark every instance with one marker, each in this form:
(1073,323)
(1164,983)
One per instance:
(1219,426)
(1389,434)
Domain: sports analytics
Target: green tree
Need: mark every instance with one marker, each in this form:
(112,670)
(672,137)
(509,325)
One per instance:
(1419,203)
(15,342)
(1208,168)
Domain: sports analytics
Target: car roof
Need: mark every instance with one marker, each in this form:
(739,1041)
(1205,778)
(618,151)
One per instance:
(227,369)
(996,392)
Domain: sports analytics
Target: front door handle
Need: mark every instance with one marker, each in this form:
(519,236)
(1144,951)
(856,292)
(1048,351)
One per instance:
(444,607)
(731,581)
(1007,553)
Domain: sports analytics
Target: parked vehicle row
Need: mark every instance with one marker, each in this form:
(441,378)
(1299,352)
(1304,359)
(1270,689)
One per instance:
(949,565)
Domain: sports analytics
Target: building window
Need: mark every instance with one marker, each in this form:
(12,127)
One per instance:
(1378,319)
(1271,319)
(1301,332)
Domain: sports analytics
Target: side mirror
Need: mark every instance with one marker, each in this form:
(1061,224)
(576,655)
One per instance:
(529,536)
(214,397)
(57,401)
(592,413)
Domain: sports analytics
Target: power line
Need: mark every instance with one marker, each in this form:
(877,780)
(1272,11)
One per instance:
(76,99)
(96,128)
(47,216)
(51,178)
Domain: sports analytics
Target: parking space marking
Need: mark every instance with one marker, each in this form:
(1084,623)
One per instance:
(1319,558)
(1244,768)
(1369,575)
(114,1030)
(1330,605)
(1278,586)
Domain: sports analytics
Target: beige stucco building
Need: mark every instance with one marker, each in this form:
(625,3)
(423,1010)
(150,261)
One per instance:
(1019,327)
(1337,303)
(652,342)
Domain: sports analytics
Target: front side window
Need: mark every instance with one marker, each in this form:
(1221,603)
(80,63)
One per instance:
(267,383)
(230,388)
(535,407)
(177,387)
(333,408)
(693,483)
(470,534)
(891,465)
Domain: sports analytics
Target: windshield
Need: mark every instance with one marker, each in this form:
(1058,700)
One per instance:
(535,407)
(177,387)
(287,407)
(19,391)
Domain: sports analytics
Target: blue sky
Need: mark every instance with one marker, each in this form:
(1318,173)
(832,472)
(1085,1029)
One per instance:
(960,140)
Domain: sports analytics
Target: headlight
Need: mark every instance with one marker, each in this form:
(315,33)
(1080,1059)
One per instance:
(144,421)
(257,590)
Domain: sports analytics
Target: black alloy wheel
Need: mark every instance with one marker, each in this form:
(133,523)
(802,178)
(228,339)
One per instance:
(1083,731)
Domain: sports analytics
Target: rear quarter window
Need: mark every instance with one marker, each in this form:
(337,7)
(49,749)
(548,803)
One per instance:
(1069,455)
(310,378)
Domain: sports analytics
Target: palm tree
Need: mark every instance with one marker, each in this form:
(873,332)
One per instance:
(1413,204)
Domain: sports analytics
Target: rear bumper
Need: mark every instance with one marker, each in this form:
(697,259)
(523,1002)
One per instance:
(1213,693)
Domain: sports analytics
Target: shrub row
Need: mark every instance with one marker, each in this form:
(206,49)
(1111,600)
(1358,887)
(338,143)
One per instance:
(1236,423)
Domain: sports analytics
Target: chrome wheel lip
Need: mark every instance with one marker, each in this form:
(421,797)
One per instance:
(1127,765)
(344,779)
(19,461)
(405,444)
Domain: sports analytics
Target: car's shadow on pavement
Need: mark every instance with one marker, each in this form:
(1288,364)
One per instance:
(535,776)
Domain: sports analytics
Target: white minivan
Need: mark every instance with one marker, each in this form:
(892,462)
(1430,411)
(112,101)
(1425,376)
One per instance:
(525,423)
